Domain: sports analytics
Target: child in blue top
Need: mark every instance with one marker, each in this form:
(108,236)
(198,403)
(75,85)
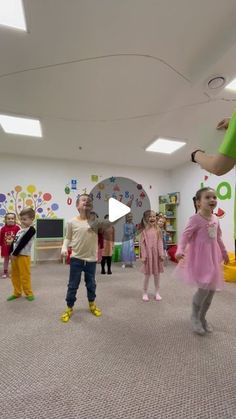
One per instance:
(128,253)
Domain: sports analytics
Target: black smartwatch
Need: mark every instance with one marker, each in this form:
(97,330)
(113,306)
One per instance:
(193,155)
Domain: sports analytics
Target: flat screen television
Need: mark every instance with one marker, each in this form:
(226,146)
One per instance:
(49,228)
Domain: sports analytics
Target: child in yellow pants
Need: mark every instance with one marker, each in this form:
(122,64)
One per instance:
(20,276)
(20,254)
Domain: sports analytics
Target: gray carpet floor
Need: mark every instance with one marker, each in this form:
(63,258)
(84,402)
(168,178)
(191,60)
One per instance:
(139,360)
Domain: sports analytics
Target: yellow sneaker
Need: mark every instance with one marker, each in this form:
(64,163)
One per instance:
(95,310)
(65,317)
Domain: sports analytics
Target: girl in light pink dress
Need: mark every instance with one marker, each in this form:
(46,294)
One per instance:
(200,253)
(152,253)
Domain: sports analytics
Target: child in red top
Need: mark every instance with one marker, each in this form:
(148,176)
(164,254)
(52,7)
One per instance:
(7,233)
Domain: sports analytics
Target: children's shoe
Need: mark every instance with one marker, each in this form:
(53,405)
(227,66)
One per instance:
(145,297)
(198,329)
(197,326)
(65,317)
(123,266)
(109,273)
(158,297)
(30,297)
(207,327)
(195,320)
(4,275)
(94,309)
(13,297)
(103,272)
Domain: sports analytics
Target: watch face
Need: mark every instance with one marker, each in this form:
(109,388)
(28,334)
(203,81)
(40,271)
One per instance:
(193,155)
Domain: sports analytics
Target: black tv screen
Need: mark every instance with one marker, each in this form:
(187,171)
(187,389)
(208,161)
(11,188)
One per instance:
(49,228)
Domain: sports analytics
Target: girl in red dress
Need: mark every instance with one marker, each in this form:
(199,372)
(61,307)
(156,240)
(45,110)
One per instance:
(7,235)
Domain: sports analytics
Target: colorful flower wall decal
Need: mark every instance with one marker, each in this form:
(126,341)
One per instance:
(19,198)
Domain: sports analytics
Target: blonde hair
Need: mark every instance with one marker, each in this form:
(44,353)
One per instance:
(80,196)
(145,224)
(163,218)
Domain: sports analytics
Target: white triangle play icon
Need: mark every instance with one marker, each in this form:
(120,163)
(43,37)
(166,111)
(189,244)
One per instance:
(116,209)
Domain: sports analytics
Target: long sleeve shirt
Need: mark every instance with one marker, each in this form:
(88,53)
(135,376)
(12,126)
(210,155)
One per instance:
(82,239)
(23,242)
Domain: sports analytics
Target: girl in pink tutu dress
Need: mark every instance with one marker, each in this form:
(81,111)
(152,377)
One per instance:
(200,253)
(152,252)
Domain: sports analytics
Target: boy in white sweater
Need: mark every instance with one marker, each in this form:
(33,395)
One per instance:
(83,240)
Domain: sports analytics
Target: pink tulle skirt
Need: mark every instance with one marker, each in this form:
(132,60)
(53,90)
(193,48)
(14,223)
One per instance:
(202,267)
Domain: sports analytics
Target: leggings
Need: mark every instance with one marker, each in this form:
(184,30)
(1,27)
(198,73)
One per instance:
(156,282)
(106,259)
(6,263)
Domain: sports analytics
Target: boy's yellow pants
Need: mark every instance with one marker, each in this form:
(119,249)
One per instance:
(20,275)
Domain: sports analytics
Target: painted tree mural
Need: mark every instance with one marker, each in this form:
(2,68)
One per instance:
(19,198)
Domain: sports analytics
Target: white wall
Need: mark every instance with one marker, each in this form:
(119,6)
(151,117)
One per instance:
(53,175)
(187,180)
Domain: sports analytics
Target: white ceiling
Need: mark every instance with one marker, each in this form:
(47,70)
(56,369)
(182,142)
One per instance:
(112,75)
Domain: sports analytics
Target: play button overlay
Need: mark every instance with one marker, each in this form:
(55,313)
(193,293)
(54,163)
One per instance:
(116,210)
(119,202)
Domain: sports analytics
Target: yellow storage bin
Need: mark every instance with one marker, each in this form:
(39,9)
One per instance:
(230,269)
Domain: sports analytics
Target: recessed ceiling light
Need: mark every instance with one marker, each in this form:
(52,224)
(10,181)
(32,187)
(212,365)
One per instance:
(21,126)
(231,85)
(12,14)
(216,82)
(162,145)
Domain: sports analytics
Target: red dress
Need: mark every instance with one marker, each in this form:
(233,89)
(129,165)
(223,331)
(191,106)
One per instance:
(6,232)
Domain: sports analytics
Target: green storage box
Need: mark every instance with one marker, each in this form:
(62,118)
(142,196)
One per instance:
(116,257)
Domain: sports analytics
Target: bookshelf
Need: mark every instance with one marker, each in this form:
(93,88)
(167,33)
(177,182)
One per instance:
(137,249)
(168,206)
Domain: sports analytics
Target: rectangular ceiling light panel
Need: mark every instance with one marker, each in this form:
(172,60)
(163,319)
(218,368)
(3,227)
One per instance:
(162,145)
(12,14)
(21,126)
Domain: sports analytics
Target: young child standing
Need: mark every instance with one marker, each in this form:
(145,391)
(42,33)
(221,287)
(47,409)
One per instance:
(152,253)
(7,235)
(108,244)
(127,252)
(20,256)
(161,222)
(200,253)
(84,242)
